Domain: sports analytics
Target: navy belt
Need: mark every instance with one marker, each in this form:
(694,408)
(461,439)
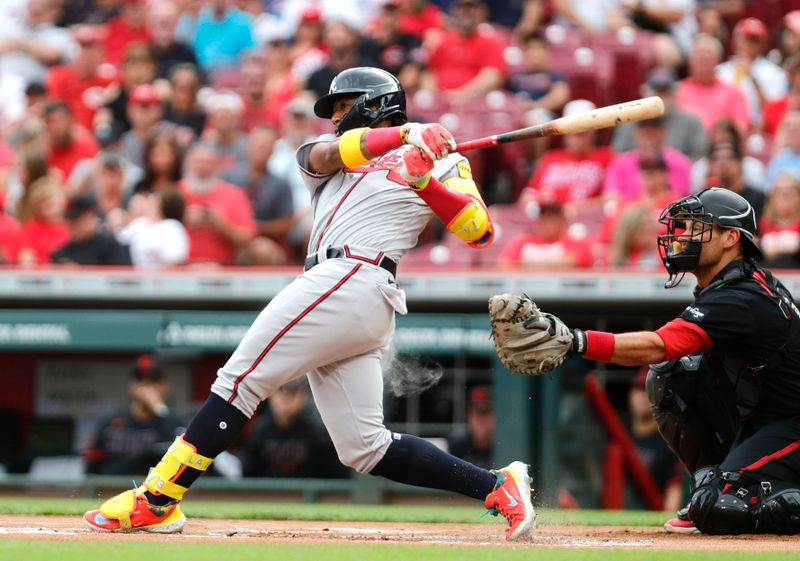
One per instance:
(340,252)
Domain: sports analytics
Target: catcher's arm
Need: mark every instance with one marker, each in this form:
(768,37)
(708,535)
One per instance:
(626,349)
(531,342)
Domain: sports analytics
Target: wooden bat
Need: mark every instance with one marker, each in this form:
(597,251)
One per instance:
(600,118)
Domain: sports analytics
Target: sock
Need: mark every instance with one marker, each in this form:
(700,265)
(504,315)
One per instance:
(415,461)
(212,430)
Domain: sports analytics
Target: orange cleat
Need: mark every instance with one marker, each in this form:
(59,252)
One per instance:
(130,512)
(511,497)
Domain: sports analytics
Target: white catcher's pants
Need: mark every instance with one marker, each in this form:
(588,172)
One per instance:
(333,322)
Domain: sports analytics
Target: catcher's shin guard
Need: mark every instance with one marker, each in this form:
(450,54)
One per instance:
(715,512)
(696,423)
(779,513)
(181,455)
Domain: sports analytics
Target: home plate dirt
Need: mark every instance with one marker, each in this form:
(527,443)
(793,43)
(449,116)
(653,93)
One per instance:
(478,535)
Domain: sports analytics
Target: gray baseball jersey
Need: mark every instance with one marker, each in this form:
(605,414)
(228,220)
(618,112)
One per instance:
(336,320)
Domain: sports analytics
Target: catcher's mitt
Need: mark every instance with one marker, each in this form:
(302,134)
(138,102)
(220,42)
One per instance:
(527,341)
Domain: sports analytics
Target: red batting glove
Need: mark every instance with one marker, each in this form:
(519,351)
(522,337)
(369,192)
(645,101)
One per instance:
(432,138)
(416,168)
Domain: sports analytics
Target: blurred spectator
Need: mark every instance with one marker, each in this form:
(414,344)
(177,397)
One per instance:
(344,51)
(158,238)
(704,94)
(162,20)
(534,14)
(623,180)
(130,26)
(589,17)
(92,12)
(138,69)
(224,128)
(787,146)
(779,228)
(109,176)
(297,127)
(9,234)
(685,130)
(554,244)
(672,22)
(222,34)
(761,80)
(466,59)
(145,110)
(30,163)
(29,46)
(308,52)
(787,51)
(652,448)
(775,110)
(476,443)
(41,213)
(270,197)
(573,173)
(633,241)
(280,84)
(267,26)
(183,109)
(256,109)
(288,439)
(713,15)
(132,440)
(545,88)
(68,142)
(162,163)
(82,84)
(752,168)
(420,17)
(395,51)
(88,244)
(725,170)
(219,217)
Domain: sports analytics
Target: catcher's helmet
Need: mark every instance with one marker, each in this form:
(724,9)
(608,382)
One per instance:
(680,247)
(380,97)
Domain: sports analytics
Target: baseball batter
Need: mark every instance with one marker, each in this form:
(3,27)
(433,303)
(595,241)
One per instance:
(375,185)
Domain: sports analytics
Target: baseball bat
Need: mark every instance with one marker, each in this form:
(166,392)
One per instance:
(600,118)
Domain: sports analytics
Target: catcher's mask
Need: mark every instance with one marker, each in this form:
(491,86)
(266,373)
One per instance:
(690,222)
(380,96)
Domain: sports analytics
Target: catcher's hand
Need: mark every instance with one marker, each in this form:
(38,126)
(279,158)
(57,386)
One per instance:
(527,341)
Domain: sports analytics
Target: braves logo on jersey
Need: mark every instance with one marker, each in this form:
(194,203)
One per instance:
(390,162)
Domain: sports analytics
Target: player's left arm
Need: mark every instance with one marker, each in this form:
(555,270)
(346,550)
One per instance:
(356,147)
(455,198)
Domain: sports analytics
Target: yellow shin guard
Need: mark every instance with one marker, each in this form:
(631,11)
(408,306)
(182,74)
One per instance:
(180,455)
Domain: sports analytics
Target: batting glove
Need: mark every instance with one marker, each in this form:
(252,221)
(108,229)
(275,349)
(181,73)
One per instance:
(416,168)
(432,138)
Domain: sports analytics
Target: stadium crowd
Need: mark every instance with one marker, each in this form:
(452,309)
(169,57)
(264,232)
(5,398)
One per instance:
(162,133)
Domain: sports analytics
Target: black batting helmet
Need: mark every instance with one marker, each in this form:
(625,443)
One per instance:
(680,248)
(380,97)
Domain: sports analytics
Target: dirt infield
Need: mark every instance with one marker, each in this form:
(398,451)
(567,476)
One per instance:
(303,532)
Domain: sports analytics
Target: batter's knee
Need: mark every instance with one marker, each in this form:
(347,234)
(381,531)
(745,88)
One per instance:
(362,452)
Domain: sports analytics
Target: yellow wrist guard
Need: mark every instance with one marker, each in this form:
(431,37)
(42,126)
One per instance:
(350,148)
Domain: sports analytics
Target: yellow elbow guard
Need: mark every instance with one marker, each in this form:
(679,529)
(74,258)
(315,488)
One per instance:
(350,148)
(472,225)
(179,456)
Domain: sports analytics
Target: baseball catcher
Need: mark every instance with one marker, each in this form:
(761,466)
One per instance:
(724,381)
